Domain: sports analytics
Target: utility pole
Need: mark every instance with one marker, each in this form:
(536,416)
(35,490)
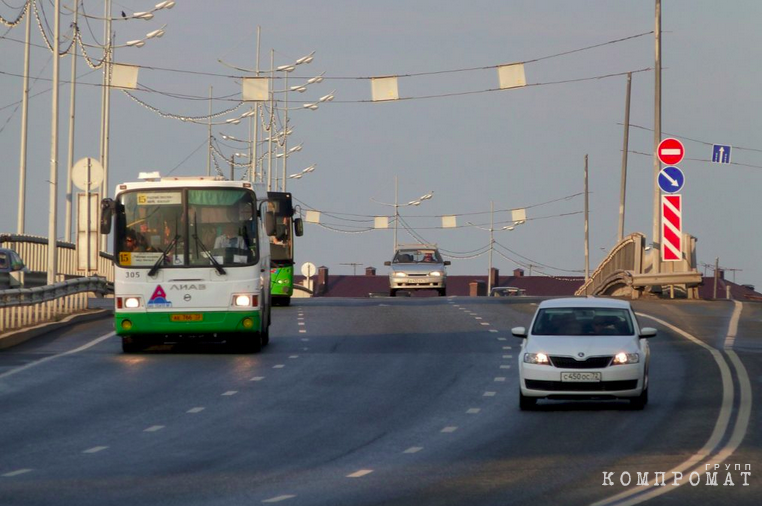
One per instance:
(24,128)
(52,214)
(716,275)
(271,123)
(209,134)
(625,147)
(253,160)
(105,105)
(491,244)
(656,255)
(396,212)
(71,127)
(587,226)
(285,137)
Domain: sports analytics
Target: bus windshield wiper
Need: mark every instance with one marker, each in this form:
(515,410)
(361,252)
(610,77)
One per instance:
(209,254)
(163,256)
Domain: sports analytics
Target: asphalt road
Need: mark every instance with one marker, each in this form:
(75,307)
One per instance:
(408,401)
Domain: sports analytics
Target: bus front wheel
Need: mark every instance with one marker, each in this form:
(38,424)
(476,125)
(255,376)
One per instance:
(246,343)
(130,345)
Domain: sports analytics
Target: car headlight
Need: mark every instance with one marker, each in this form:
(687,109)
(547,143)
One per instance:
(536,358)
(400,275)
(625,358)
(436,274)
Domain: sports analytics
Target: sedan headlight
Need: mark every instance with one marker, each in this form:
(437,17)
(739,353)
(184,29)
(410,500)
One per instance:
(625,358)
(536,358)
(400,275)
(435,274)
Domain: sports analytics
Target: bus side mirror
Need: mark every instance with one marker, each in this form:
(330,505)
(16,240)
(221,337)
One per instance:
(298,227)
(269,224)
(107,213)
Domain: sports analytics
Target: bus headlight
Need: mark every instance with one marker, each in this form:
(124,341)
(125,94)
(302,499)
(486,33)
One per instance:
(245,300)
(132,302)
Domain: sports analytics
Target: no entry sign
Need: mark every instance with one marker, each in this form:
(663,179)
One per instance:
(670,151)
(671,228)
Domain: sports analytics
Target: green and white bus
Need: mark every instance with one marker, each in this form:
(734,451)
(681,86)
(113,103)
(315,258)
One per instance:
(282,246)
(191,261)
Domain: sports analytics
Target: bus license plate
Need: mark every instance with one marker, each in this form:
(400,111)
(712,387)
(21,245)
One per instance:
(186,317)
(581,377)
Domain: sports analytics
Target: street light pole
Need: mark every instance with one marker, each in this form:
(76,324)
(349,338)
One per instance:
(209,137)
(587,226)
(396,212)
(24,129)
(491,244)
(655,251)
(625,147)
(71,126)
(52,214)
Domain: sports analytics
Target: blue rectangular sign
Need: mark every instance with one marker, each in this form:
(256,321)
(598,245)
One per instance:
(721,153)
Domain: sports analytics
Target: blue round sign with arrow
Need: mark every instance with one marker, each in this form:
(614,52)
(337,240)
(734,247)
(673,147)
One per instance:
(671,179)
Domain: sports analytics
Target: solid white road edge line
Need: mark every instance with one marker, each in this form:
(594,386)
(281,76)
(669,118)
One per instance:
(720,427)
(52,357)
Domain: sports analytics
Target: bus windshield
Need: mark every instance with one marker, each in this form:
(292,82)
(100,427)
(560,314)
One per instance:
(282,243)
(192,225)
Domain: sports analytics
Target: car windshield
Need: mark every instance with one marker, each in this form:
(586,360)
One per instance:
(415,256)
(583,322)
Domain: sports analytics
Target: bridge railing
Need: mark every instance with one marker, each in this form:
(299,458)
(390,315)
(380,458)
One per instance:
(34,252)
(24,307)
(626,256)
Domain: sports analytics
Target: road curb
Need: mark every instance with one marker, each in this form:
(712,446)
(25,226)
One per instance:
(16,337)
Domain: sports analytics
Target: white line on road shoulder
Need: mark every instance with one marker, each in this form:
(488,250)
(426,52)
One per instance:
(154,428)
(279,498)
(360,473)
(279,366)
(448,430)
(16,473)
(46,359)
(95,449)
(257,378)
(229,393)
(196,410)
(413,449)
(473,411)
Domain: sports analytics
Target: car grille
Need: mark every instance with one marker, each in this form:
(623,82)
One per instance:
(600,386)
(589,363)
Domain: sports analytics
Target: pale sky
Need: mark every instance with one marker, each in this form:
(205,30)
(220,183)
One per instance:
(517,148)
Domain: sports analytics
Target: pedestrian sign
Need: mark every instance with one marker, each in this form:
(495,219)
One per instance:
(721,153)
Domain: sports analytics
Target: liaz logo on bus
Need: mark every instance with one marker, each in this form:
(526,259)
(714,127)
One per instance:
(274,271)
(159,298)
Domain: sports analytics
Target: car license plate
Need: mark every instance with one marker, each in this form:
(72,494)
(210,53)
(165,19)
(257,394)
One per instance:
(186,317)
(581,377)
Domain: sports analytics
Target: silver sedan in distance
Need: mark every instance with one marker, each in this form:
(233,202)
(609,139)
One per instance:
(579,348)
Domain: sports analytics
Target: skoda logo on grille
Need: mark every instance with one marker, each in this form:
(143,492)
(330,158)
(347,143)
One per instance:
(580,354)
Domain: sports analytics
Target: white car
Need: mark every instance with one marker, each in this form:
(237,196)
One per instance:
(584,349)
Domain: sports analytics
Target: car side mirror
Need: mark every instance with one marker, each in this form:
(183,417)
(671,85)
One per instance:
(447,262)
(519,332)
(298,227)
(17,266)
(648,332)
(107,213)
(387,263)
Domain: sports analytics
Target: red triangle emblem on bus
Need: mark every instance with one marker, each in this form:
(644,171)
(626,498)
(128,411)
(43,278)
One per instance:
(159,293)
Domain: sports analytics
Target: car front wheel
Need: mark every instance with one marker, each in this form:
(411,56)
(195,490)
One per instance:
(526,403)
(640,401)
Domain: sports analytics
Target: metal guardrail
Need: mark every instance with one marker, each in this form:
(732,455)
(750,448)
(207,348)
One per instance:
(21,307)
(34,252)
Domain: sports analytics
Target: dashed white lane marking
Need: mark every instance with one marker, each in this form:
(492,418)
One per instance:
(301,323)
(506,347)
(16,473)
(449,430)
(302,331)
(95,449)
(478,317)
(279,366)
(500,379)
(305,339)
(229,393)
(489,394)
(196,410)
(473,411)
(305,349)
(502,339)
(154,428)
(294,356)
(493,330)
(413,449)
(505,366)
(360,473)
(257,378)
(484,323)
(279,498)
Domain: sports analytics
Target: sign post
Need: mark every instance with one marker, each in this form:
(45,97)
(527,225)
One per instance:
(87,175)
